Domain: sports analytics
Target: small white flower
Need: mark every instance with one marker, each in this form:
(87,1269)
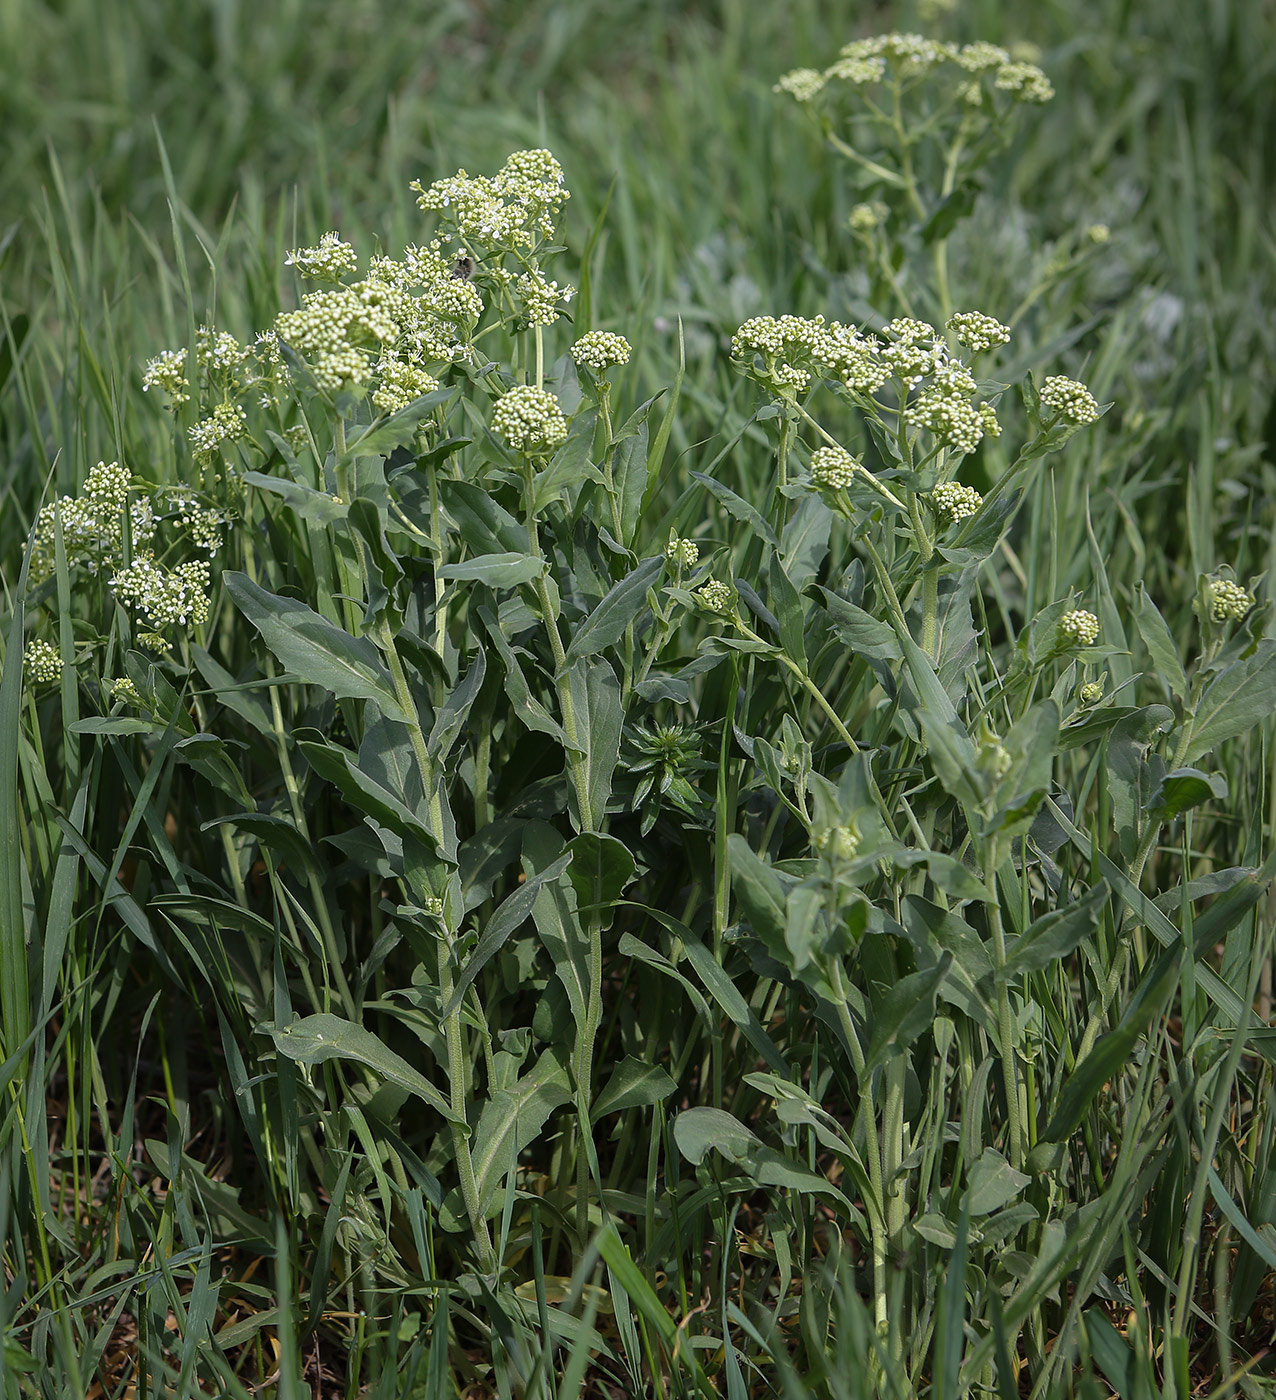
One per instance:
(1079,628)
(1070,398)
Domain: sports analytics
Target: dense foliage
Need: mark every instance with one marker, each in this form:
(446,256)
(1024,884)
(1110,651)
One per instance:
(642,786)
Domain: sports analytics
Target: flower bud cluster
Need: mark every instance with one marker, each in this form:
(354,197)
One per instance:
(684,553)
(802,84)
(92,523)
(1079,628)
(124,692)
(838,842)
(834,468)
(529,419)
(792,348)
(1229,602)
(164,597)
(1070,398)
(220,356)
(1025,80)
(977,331)
(42,663)
(1090,693)
(864,218)
(715,595)
(329,261)
(401,383)
(600,350)
(512,209)
(953,501)
(540,297)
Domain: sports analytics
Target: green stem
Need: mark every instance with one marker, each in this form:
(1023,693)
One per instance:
(1005,1021)
(453,1030)
(876,1207)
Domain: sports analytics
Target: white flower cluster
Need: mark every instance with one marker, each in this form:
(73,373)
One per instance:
(401,382)
(802,84)
(834,467)
(1025,80)
(227,423)
(330,260)
(164,597)
(203,527)
(600,350)
(1070,398)
(529,419)
(1228,601)
(977,331)
(220,355)
(512,209)
(715,595)
(167,373)
(684,553)
(953,501)
(92,523)
(1079,628)
(333,329)
(866,61)
(791,348)
(42,663)
(125,692)
(540,297)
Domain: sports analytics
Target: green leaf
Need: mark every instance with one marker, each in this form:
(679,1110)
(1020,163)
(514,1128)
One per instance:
(363,792)
(398,430)
(760,892)
(304,502)
(624,602)
(866,635)
(1235,701)
(1185,788)
(1159,642)
(314,1039)
(451,714)
(599,713)
(789,612)
(496,570)
(488,528)
(738,507)
(633,1084)
(1057,934)
(512,912)
(696,1130)
(318,651)
(993,1183)
(957,206)
(512,1118)
(601,868)
(906,1010)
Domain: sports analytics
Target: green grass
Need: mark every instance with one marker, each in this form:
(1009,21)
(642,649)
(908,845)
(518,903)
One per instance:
(193,1200)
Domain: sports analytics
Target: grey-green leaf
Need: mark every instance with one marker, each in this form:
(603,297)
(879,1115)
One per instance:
(314,1039)
(621,606)
(993,1183)
(317,650)
(633,1084)
(1235,701)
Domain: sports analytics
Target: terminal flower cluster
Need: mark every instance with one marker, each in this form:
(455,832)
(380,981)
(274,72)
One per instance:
(1079,628)
(600,350)
(977,331)
(92,523)
(529,419)
(164,597)
(1069,398)
(513,209)
(953,501)
(329,261)
(864,62)
(715,595)
(684,553)
(834,468)
(1228,601)
(42,663)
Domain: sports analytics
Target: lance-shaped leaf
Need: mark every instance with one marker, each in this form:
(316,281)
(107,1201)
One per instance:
(314,1039)
(622,604)
(1235,701)
(316,650)
(514,1117)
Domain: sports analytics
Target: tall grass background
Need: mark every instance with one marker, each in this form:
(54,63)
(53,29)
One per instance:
(156,161)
